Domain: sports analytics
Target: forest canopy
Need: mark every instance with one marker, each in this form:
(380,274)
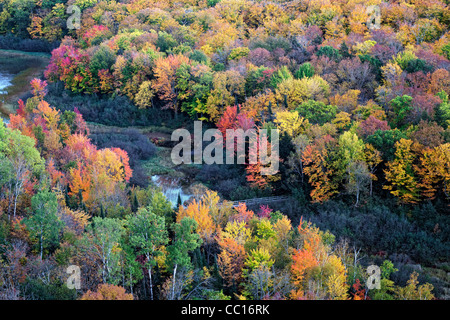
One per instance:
(363,113)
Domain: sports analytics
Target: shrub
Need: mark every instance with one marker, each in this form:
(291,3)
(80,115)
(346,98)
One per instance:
(214,173)
(137,145)
(112,111)
(378,228)
(11,42)
(35,288)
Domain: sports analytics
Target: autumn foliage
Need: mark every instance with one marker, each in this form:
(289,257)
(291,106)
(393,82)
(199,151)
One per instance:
(363,116)
(107,292)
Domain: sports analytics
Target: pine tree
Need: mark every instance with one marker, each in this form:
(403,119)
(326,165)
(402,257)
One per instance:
(135,204)
(179,203)
(102,212)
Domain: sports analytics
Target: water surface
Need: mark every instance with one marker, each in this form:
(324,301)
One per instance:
(171,187)
(5,82)
(17,69)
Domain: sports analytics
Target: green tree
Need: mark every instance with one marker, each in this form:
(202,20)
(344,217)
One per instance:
(401,107)
(147,234)
(5,169)
(386,284)
(350,148)
(443,110)
(330,52)
(280,75)
(18,152)
(351,162)
(385,140)
(161,206)
(102,239)
(132,268)
(194,84)
(199,56)
(18,15)
(103,58)
(344,51)
(446,50)
(165,42)
(185,241)
(416,65)
(317,112)
(44,225)
(305,70)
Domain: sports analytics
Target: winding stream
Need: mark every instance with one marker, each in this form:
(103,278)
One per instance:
(171,188)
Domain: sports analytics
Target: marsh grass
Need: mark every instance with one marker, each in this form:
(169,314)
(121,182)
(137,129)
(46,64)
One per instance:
(160,164)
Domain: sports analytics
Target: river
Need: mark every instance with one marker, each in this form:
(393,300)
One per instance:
(171,187)
(5,82)
(17,69)
(26,66)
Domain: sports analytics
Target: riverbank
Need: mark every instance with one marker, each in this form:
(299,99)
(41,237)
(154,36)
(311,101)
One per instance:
(23,67)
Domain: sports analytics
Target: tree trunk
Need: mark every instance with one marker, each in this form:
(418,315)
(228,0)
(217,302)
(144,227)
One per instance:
(150,283)
(173,283)
(40,240)
(357,198)
(15,205)
(131,282)
(10,200)
(150,279)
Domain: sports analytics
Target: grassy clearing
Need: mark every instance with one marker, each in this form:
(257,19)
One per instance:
(161,164)
(148,130)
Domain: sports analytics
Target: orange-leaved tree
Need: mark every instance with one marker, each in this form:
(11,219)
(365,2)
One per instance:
(107,292)
(318,167)
(165,83)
